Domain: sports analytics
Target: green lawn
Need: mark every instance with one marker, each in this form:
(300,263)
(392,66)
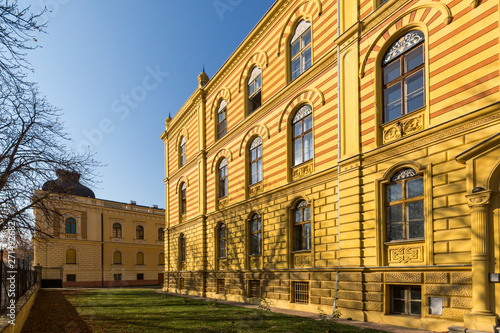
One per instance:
(144,310)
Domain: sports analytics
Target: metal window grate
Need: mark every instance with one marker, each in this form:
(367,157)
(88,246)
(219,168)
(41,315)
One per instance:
(301,292)
(254,288)
(180,284)
(71,277)
(221,286)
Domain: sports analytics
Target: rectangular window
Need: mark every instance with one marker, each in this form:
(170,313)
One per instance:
(253,288)
(300,292)
(406,300)
(71,277)
(117,277)
(221,286)
(140,276)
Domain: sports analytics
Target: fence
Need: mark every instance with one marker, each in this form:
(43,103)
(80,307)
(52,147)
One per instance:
(17,277)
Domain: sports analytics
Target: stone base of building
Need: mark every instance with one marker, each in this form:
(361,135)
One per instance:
(477,322)
(363,295)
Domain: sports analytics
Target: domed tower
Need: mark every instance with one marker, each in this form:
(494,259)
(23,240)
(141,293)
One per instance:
(68,182)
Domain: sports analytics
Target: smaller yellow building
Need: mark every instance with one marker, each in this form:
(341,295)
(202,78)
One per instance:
(91,242)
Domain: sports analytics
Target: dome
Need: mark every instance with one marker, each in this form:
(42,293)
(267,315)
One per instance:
(203,79)
(68,182)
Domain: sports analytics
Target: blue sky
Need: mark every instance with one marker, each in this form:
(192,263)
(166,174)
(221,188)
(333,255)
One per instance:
(117,68)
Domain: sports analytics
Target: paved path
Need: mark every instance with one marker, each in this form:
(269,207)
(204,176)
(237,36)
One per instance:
(361,324)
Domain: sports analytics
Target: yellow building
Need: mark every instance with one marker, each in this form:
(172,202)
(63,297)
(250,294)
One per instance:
(95,242)
(346,156)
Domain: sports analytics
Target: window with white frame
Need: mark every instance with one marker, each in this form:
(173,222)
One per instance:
(300,47)
(222,119)
(302,226)
(302,136)
(254,90)
(403,76)
(405,206)
(255,153)
(223,179)
(182,152)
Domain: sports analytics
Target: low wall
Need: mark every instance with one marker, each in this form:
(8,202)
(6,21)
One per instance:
(120,283)
(23,307)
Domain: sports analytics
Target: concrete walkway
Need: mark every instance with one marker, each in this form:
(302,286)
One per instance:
(360,324)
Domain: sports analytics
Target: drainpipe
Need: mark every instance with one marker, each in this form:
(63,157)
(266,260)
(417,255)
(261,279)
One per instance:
(339,138)
(102,249)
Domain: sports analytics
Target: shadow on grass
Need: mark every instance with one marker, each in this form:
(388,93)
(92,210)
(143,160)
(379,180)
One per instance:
(52,312)
(145,311)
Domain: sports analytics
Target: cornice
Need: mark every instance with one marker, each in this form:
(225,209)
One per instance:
(476,150)
(290,90)
(350,35)
(250,41)
(282,191)
(186,112)
(431,136)
(192,162)
(382,13)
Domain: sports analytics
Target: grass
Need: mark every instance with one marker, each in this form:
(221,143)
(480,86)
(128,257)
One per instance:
(145,310)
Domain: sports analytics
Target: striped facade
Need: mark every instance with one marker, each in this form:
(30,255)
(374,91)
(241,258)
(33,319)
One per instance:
(435,278)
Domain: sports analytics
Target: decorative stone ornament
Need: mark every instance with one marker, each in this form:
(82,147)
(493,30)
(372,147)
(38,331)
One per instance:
(403,44)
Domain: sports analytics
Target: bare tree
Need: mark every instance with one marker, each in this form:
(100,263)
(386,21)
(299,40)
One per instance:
(33,143)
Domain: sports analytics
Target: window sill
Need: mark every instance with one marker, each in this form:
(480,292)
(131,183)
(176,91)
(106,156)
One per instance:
(405,241)
(403,126)
(223,202)
(302,170)
(71,236)
(255,189)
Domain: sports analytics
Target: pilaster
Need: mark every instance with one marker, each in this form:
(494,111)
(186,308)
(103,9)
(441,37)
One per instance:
(481,318)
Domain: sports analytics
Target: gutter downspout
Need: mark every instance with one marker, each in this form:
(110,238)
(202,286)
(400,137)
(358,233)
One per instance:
(339,138)
(102,249)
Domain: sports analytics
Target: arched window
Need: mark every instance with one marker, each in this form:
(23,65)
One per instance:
(161,259)
(300,49)
(161,234)
(403,76)
(117,258)
(255,235)
(254,88)
(405,206)
(223,180)
(302,127)
(182,199)
(182,248)
(302,226)
(222,119)
(139,258)
(117,230)
(139,232)
(182,152)
(70,226)
(70,256)
(222,240)
(255,154)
